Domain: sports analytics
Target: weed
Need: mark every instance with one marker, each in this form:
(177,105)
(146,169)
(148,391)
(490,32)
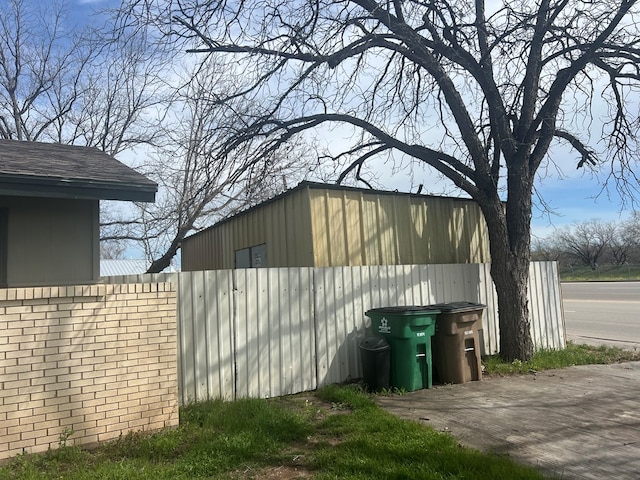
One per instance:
(64,437)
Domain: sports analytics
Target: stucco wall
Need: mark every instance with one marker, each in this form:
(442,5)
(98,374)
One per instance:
(96,360)
(52,241)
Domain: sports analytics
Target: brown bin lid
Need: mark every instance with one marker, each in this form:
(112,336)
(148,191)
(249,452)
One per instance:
(457,307)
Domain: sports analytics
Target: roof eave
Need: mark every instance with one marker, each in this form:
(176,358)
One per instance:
(77,189)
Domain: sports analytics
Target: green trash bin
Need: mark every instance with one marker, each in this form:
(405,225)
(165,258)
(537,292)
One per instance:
(408,329)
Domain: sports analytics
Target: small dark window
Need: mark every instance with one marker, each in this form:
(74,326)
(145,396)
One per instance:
(4,240)
(252,257)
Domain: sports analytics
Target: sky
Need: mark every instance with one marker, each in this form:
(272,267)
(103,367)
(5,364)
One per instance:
(578,197)
(569,195)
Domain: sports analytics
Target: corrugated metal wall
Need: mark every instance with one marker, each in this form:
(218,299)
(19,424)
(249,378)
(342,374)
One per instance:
(271,332)
(355,227)
(326,227)
(283,225)
(275,335)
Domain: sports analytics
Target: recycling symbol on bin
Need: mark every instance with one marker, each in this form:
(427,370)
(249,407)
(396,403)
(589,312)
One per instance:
(384,326)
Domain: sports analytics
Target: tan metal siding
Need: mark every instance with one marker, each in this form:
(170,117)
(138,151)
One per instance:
(356,228)
(332,227)
(284,225)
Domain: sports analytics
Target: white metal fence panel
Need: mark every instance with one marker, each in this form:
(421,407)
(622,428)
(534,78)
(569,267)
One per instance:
(545,306)
(276,331)
(206,362)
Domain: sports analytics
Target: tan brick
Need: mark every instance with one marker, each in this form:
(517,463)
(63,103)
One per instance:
(81,354)
(95,402)
(94,416)
(55,414)
(60,328)
(94,360)
(19,429)
(30,416)
(46,410)
(104,393)
(18,353)
(50,372)
(71,391)
(14,437)
(92,346)
(91,374)
(107,408)
(12,420)
(21,444)
(47,425)
(61,342)
(97,390)
(117,427)
(47,336)
(106,436)
(69,406)
(69,362)
(139,301)
(44,306)
(17,309)
(106,379)
(21,338)
(56,401)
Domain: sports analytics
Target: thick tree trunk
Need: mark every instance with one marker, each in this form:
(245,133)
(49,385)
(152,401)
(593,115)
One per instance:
(509,235)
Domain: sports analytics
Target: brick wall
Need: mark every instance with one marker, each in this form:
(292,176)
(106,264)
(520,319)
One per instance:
(98,360)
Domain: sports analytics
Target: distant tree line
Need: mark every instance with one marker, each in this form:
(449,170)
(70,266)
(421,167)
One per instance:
(592,243)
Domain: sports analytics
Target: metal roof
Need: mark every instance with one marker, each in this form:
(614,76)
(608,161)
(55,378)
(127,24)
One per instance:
(68,171)
(321,186)
(112,267)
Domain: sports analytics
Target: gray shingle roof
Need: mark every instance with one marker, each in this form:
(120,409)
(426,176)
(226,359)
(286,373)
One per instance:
(68,171)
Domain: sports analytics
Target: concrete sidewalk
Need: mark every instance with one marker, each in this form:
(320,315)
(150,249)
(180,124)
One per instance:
(574,423)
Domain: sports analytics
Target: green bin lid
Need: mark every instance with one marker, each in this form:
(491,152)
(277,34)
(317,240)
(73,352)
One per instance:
(457,307)
(405,310)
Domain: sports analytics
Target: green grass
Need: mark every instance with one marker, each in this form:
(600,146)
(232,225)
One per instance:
(604,273)
(549,359)
(338,432)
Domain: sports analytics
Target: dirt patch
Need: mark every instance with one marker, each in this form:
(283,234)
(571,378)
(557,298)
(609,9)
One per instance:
(282,472)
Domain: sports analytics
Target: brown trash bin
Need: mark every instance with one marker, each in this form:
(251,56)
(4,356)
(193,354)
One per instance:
(456,342)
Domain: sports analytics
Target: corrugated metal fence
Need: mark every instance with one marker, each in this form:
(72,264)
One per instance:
(275,331)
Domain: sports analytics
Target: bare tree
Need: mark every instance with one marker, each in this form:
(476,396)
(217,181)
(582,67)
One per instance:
(197,184)
(629,236)
(41,64)
(124,94)
(548,249)
(478,91)
(587,241)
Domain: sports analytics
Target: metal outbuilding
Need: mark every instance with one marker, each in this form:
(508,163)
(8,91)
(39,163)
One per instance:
(323,225)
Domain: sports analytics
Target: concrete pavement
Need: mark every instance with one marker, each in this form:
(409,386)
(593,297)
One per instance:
(574,423)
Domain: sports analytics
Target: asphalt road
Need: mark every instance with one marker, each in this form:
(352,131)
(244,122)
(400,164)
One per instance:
(603,313)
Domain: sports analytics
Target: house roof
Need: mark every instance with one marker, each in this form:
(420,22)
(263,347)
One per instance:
(37,169)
